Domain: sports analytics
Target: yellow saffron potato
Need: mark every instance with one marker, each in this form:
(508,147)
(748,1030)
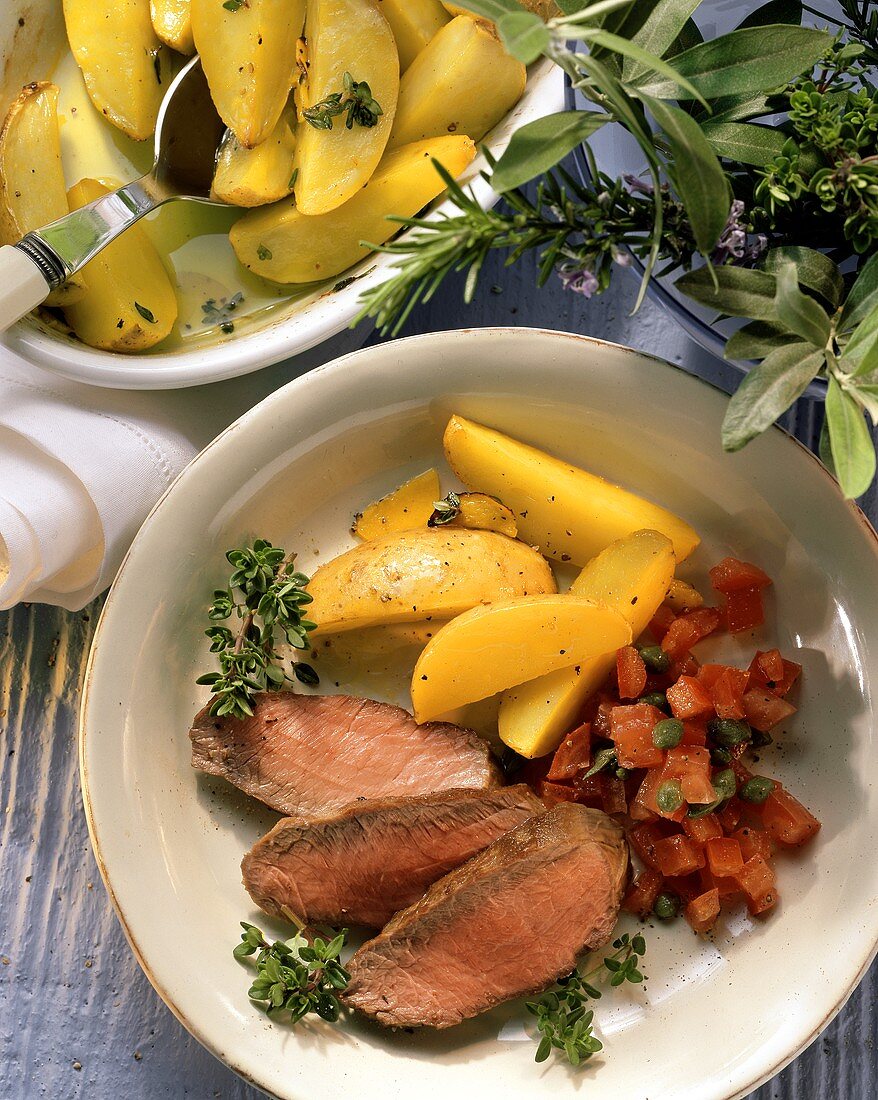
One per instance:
(379,651)
(462,82)
(32,191)
(411,505)
(129,303)
(430,572)
(249,58)
(568,513)
(484,513)
(125,66)
(343,36)
(631,576)
(280,243)
(172,23)
(255,177)
(682,596)
(413,22)
(489,649)
(545,9)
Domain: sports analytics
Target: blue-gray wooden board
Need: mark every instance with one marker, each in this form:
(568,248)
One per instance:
(77,1017)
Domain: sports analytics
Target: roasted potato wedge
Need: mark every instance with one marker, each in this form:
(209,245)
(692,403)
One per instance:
(125,66)
(682,597)
(280,243)
(416,575)
(343,36)
(631,576)
(477,511)
(411,505)
(129,304)
(489,649)
(545,9)
(375,651)
(570,514)
(32,191)
(172,23)
(413,22)
(462,82)
(256,177)
(249,57)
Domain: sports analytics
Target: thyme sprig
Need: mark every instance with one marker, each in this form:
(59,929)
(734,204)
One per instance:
(355,101)
(267,595)
(297,976)
(564,1021)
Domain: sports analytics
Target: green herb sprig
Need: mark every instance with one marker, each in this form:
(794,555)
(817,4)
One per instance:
(563,1019)
(267,595)
(445,511)
(355,101)
(296,976)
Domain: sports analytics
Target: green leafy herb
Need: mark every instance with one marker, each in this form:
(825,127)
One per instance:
(295,977)
(293,179)
(263,253)
(564,1021)
(355,101)
(267,595)
(604,759)
(234,5)
(146,314)
(218,313)
(444,511)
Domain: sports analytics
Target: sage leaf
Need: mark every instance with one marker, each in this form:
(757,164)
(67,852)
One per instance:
(824,449)
(860,355)
(814,270)
(853,453)
(660,30)
(603,758)
(688,37)
(744,142)
(651,64)
(739,291)
(797,311)
(524,35)
(735,108)
(775,11)
(491,9)
(697,174)
(754,59)
(863,296)
(867,395)
(756,340)
(768,390)
(541,144)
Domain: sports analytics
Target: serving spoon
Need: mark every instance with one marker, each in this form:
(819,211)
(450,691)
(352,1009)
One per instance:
(188,134)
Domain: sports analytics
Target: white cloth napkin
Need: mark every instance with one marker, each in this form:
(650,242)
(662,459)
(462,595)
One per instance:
(80,467)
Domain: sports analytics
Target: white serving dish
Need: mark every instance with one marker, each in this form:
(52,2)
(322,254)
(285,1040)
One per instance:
(32,39)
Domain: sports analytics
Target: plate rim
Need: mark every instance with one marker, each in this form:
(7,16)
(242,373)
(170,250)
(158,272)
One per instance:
(331,368)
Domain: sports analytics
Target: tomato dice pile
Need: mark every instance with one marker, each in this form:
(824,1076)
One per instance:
(663,745)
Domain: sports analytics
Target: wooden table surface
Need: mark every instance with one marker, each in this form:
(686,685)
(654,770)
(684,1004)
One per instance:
(77,1017)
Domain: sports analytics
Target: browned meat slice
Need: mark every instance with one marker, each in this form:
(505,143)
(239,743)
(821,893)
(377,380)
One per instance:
(508,923)
(314,754)
(376,857)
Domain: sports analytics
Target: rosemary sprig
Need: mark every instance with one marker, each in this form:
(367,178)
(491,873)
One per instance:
(356,101)
(295,976)
(445,511)
(267,595)
(563,1020)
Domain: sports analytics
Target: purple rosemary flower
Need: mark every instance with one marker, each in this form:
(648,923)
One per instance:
(734,242)
(579,280)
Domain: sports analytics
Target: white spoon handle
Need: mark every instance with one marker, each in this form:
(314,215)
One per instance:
(22,285)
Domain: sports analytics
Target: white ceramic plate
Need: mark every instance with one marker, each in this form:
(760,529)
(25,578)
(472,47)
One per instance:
(29,50)
(716,1018)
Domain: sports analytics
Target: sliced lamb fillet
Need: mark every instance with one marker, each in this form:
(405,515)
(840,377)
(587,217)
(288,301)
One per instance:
(364,864)
(314,754)
(508,923)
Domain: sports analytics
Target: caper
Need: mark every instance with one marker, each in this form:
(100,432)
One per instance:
(725,784)
(720,756)
(655,699)
(668,733)
(669,796)
(728,731)
(757,789)
(667,906)
(655,658)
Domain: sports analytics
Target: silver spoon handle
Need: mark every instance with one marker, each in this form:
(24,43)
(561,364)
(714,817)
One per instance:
(63,246)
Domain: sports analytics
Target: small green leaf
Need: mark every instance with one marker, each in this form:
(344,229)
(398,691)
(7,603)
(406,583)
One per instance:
(814,269)
(853,453)
(861,351)
(146,314)
(767,391)
(603,758)
(775,11)
(741,291)
(541,144)
(524,35)
(735,108)
(659,31)
(756,340)
(262,252)
(863,296)
(796,311)
(744,142)
(652,65)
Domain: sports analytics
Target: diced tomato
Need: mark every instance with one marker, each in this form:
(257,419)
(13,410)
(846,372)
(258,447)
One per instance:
(645,805)
(631,729)
(643,839)
(756,878)
(630,673)
(553,793)
(613,800)
(744,610)
(661,622)
(694,733)
(786,820)
(573,755)
(701,912)
(771,663)
(764,710)
(688,699)
(589,791)
(686,666)
(753,842)
(730,815)
(727,693)
(733,575)
(777,685)
(697,789)
(678,855)
(726,887)
(688,629)
(600,726)
(724,856)
(533,772)
(701,829)
(642,893)
(691,765)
